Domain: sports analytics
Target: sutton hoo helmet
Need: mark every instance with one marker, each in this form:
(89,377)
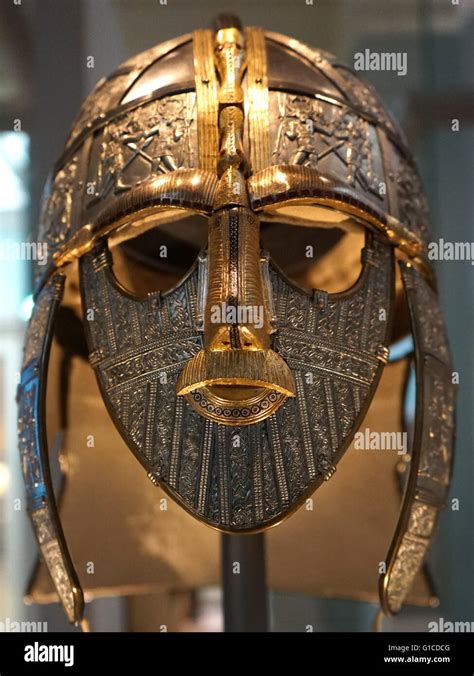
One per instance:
(238,379)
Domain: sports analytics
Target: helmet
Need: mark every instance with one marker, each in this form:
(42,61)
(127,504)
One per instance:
(234,374)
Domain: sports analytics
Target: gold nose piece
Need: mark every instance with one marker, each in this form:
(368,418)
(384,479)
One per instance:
(236,379)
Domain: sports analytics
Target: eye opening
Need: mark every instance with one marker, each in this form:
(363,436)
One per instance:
(315,247)
(160,255)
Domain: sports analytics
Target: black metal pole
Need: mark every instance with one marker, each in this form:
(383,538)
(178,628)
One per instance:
(244,583)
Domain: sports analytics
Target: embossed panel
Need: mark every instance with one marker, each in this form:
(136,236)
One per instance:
(331,138)
(158,137)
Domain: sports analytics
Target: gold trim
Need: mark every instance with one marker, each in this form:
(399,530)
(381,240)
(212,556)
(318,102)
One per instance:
(396,233)
(236,378)
(230,63)
(257,86)
(206,98)
(284,185)
(248,410)
(182,189)
(79,244)
(229,58)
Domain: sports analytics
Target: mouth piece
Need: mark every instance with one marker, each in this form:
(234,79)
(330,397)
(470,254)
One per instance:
(236,387)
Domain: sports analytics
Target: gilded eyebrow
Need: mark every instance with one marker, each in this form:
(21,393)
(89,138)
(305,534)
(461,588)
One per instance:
(190,189)
(282,184)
